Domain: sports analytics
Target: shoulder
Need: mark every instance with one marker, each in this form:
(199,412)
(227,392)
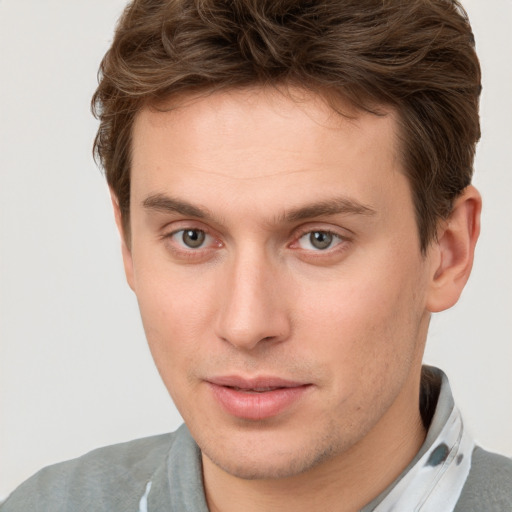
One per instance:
(489,484)
(110,478)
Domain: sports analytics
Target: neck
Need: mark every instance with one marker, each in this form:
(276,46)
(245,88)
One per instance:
(345,483)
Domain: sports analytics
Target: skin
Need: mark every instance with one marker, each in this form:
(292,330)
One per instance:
(249,168)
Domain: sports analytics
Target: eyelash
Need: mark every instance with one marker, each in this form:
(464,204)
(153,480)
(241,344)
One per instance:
(319,253)
(190,252)
(199,252)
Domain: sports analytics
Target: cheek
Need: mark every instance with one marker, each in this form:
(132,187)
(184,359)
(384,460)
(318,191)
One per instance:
(175,312)
(172,298)
(365,319)
(367,335)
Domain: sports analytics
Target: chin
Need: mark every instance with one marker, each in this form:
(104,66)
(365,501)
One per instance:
(257,463)
(264,469)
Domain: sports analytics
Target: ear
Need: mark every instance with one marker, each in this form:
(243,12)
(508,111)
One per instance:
(125,249)
(454,251)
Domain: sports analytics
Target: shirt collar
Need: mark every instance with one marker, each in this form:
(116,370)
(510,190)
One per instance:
(435,477)
(431,482)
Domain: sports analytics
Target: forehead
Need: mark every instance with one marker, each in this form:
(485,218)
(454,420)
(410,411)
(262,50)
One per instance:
(303,122)
(292,142)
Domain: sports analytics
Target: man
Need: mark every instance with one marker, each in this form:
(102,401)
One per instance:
(291,181)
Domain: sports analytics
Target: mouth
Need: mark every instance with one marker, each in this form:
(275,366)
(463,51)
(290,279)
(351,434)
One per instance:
(253,390)
(256,399)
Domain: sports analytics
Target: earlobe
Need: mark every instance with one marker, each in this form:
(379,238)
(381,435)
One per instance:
(455,248)
(125,249)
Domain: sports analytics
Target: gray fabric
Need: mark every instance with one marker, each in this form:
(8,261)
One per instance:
(185,476)
(113,479)
(108,479)
(489,484)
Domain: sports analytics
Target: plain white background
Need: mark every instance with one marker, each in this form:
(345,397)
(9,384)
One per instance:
(75,372)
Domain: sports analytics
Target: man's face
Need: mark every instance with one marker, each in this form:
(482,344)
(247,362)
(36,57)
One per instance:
(276,261)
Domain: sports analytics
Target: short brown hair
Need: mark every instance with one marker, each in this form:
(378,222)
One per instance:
(417,56)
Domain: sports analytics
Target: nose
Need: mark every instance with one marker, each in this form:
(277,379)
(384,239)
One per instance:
(253,306)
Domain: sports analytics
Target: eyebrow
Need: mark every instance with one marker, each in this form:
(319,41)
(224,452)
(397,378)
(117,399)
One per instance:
(335,206)
(166,204)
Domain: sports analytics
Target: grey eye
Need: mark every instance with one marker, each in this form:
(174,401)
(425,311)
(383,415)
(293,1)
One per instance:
(320,239)
(193,238)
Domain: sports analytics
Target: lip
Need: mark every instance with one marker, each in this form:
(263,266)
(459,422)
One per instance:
(256,398)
